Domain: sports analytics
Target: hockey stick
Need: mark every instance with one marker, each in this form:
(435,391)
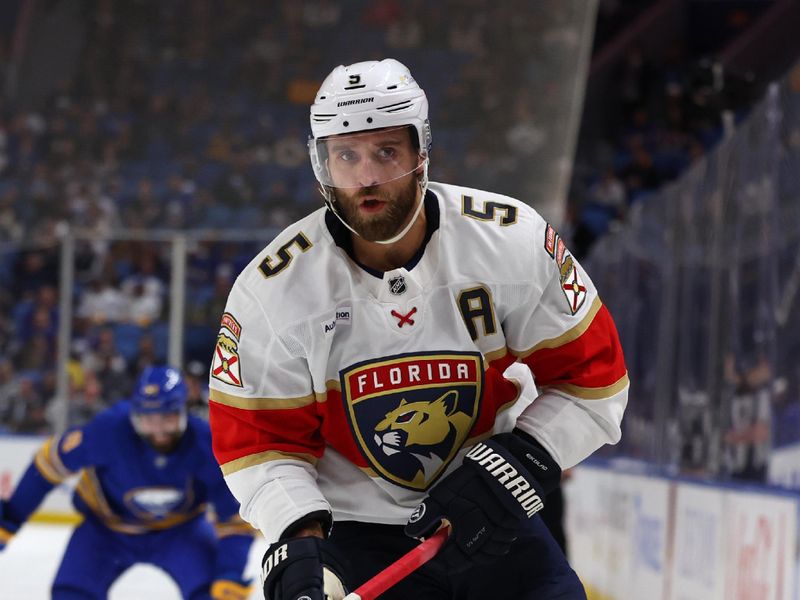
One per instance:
(401,568)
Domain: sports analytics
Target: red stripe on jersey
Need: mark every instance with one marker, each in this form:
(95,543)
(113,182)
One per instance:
(594,360)
(502,363)
(236,433)
(497,392)
(336,430)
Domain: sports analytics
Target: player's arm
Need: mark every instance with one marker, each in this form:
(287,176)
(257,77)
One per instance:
(234,537)
(265,428)
(266,436)
(567,337)
(568,340)
(57,459)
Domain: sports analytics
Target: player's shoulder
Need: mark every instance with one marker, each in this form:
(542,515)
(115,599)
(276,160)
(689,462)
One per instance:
(285,279)
(302,254)
(496,225)
(109,428)
(473,209)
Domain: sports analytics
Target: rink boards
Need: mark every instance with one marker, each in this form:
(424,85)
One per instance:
(16,453)
(640,535)
(632,535)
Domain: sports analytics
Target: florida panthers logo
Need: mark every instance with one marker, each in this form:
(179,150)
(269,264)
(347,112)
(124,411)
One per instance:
(411,413)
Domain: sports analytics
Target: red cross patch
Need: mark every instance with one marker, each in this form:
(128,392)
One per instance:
(225,364)
(572,285)
(403,319)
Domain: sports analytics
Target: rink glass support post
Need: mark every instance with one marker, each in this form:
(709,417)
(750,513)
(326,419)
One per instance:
(177,289)
(66,284)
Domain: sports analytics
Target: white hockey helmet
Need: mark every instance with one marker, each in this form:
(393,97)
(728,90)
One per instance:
(362,97)
(370,95)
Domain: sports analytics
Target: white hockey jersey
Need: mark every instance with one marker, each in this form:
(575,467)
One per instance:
(339,389)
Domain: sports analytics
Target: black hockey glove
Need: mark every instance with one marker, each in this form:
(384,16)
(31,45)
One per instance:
(302,567)
(502,483)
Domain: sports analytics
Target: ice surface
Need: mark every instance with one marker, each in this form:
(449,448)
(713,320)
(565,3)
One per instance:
(29,563)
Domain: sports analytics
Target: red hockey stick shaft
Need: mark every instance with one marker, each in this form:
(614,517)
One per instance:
(401,568)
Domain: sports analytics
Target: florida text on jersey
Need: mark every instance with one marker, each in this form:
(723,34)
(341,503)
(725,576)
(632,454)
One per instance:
(337,388)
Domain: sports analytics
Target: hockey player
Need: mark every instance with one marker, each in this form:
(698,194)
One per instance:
(147,476)
(372,376)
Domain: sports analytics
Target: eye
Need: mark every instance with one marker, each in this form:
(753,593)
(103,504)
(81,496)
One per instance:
(387,153)
(346,155)
(405,417)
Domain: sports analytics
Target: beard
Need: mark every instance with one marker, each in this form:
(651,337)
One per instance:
(163,446)
(399,207)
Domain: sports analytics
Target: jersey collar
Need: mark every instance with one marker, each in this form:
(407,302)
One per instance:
(343,238)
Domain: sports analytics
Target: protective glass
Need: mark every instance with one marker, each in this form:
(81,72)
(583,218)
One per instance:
(366,158)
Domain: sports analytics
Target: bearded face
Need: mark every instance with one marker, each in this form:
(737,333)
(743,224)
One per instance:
(374,178)
(379,212)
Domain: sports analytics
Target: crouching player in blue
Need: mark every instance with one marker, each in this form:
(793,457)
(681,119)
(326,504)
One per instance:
(147,476)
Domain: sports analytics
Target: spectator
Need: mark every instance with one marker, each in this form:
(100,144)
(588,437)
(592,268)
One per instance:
(196,378)
(102,302)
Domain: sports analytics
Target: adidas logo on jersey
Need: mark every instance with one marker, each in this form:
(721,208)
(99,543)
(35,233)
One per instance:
(507,476)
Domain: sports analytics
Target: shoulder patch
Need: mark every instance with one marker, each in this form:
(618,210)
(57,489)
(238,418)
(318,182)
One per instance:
(550,236)
(231,324)
(572,283)
(71,441)
(226,364)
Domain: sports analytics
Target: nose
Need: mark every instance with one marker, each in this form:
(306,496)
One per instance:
(368,173)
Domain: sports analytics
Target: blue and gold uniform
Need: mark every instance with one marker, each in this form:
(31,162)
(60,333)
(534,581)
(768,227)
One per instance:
(139,505)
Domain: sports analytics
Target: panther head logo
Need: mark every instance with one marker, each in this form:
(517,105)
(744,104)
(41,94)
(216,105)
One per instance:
(423,430)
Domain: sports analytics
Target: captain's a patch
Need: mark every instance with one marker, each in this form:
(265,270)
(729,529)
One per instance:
(226,364)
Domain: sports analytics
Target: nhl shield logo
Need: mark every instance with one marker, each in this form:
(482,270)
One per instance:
(397,285)
(411,413)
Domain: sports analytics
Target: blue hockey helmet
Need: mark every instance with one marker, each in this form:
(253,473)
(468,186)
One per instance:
(159,390)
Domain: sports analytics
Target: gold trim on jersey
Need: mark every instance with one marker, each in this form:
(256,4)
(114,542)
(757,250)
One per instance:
(494,355)
(370,472)
(568,336)
(586,393)
(89,490)
(5,535)
(49,463)
(234,526)
(262,457)
(139,528)
(223,589)
(261,403)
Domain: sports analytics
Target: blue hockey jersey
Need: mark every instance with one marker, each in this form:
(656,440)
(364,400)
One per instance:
(130,488)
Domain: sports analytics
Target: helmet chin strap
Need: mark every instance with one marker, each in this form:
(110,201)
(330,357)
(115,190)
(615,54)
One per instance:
(423,185)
